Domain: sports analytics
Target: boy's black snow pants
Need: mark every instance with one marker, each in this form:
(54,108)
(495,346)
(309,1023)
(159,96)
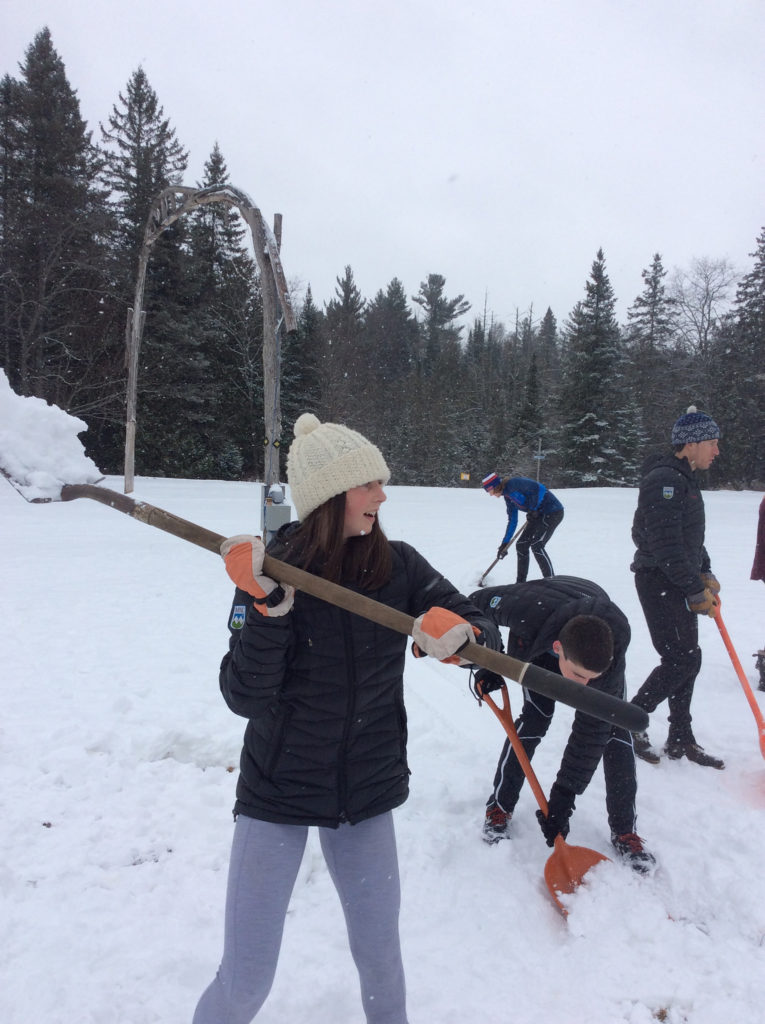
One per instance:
(618,764)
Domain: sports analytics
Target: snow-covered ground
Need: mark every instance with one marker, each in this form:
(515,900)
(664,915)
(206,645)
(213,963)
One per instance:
(117,779)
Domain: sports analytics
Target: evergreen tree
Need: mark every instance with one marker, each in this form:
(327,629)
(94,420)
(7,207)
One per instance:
(738,372)
(144,157)
(599,439)
(388,344)
(52,225)
(391,333)
(225,292)
(483,398)
(649,339)
(301,356)
(438,401)
(438,327)
(11,222)
(530,419)
(342,359)
(549,356)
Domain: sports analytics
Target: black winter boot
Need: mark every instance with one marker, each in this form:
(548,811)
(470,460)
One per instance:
(496,824)
(632,851)
(643,748)
(675,750)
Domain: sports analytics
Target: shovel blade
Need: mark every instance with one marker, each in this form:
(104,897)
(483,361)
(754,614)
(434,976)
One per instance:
(566,867)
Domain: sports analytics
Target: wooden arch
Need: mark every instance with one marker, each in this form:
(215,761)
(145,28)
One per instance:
(278,313)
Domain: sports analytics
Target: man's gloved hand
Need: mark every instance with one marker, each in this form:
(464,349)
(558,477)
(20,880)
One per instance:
(243,555)
(711,582)
(487,681)
(559,809)
(703,603)
(502,549)
(441,634)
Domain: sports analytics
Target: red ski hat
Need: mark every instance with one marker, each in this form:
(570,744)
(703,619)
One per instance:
(491,482)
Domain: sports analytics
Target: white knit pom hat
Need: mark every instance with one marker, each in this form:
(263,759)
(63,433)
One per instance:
(326,459)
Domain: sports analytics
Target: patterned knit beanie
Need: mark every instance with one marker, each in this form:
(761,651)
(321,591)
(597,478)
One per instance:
(326,459)
(490,482)
(694,426)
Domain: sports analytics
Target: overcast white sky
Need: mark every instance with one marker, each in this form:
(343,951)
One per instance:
(499,143)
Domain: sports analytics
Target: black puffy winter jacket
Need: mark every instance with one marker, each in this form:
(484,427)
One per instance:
(323,691)
(669,523)
(534,614)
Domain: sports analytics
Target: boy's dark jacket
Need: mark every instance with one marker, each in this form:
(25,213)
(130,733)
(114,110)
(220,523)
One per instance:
(669,523)
(323,691)
(534,614)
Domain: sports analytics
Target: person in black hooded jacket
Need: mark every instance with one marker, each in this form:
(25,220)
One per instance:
(325,742)
(569,626)
(674,580)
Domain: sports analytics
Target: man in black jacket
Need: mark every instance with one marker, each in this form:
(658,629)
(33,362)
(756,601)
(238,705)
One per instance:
(674,580)
(570,626)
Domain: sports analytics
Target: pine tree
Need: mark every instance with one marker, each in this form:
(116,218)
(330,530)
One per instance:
(599,439)
(227,303)
(12,203)
(143,158)
(438,403)
(341,361)
(388,344)
(52,223)
(439,328)
(549,355)
(301,356)
(649,340)
(738,372)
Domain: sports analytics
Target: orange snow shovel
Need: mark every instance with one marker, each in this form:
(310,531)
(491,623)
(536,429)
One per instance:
(567,865)
(742,679)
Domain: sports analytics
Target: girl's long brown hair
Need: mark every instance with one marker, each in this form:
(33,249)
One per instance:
(318,546)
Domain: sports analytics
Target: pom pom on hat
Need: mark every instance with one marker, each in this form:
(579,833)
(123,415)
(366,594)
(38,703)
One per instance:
(326,459)
(694,426)
(491,482)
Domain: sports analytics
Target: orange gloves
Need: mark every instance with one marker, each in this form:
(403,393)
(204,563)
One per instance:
(243,555)
(442,634)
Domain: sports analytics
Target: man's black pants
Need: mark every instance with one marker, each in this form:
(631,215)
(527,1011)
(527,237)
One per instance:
(675,635)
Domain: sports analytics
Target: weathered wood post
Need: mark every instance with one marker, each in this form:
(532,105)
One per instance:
(278,314)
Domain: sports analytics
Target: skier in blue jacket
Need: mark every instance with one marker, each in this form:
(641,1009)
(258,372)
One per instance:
(543,515)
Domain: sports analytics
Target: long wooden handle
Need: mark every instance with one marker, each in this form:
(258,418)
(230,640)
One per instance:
(593,702)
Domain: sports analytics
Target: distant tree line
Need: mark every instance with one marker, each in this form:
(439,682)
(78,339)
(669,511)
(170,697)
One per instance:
(585,399)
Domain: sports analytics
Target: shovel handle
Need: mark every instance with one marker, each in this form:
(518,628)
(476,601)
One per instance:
(756,711)
(506,718)
(506,548)
(592,702)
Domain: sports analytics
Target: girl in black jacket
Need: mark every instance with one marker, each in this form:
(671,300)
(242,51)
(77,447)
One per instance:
(325,742)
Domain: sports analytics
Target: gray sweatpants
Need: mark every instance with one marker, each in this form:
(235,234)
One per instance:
(265,858)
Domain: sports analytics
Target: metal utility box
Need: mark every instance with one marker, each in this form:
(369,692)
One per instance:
(273,512)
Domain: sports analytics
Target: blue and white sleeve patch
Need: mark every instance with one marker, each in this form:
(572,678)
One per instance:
(238,615)
(668,492)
